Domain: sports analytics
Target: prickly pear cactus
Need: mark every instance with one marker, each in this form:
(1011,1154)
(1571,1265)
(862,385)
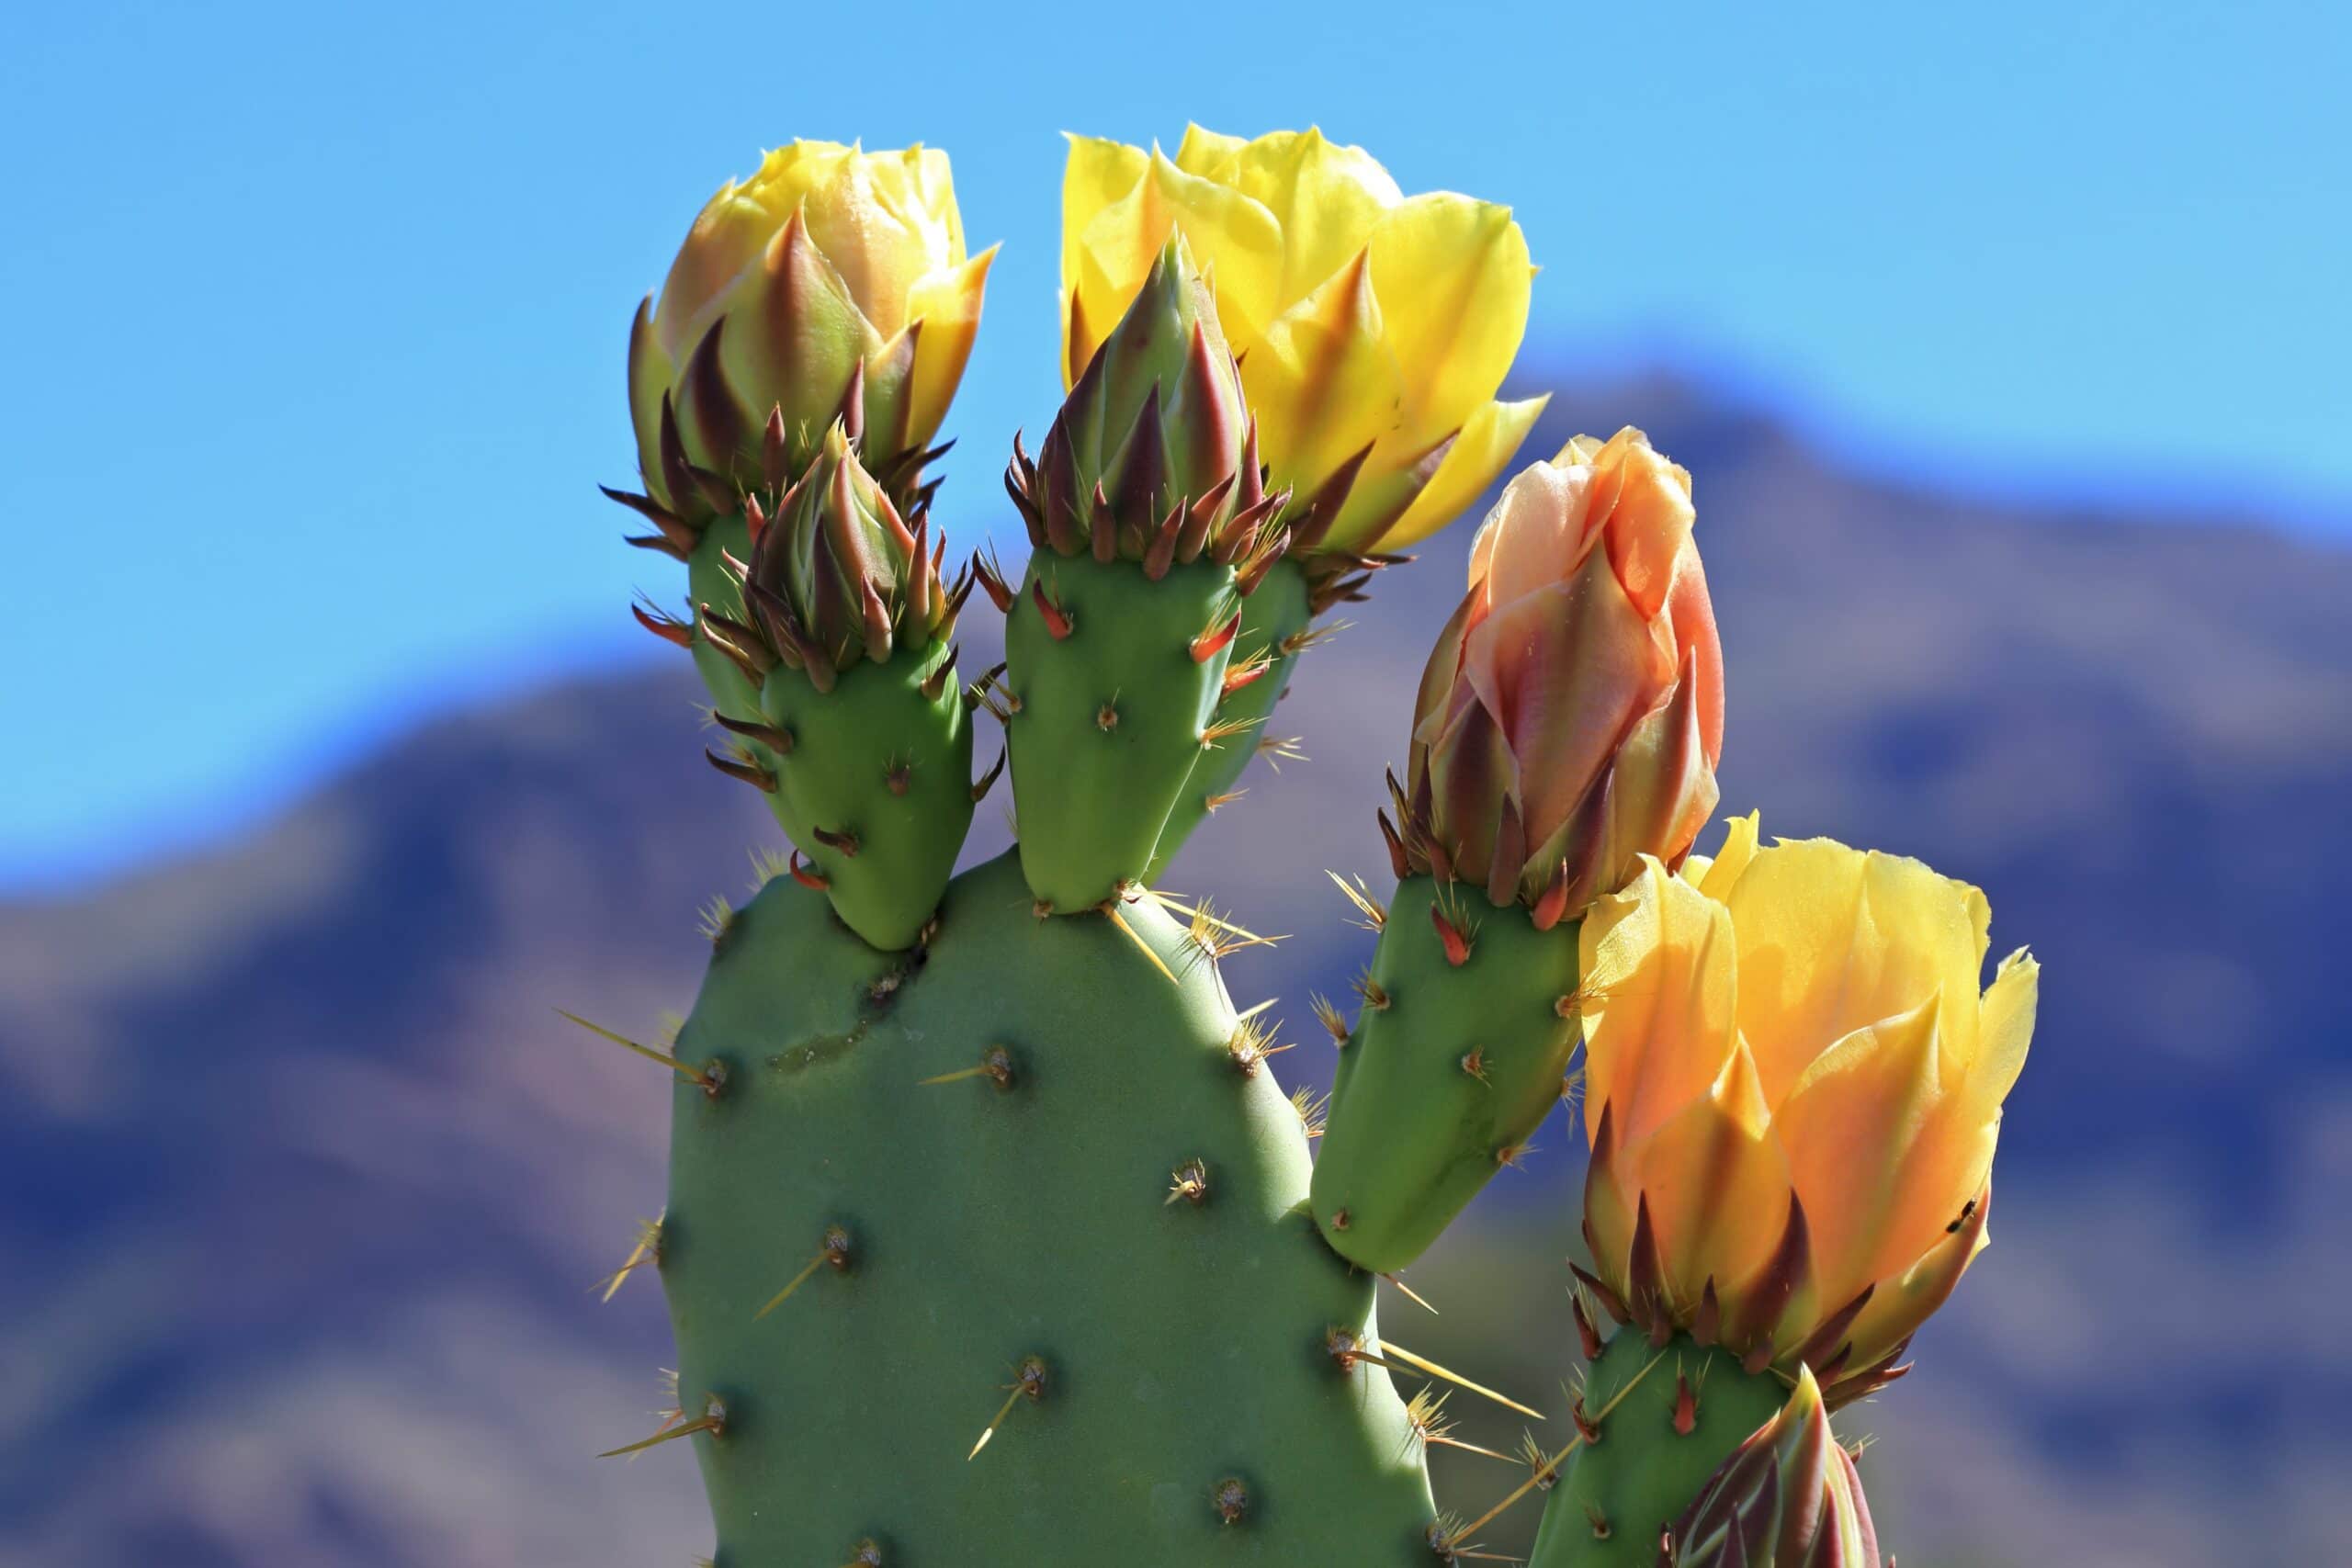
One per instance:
(992,1239)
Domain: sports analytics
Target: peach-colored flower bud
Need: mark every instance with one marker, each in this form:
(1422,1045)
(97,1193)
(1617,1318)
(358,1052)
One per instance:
(1571,715)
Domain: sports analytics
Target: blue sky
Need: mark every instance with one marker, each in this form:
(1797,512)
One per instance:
(319,311)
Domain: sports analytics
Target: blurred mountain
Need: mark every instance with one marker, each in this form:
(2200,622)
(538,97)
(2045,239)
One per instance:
(306,1185)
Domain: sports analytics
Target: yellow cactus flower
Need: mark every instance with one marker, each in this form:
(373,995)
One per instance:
(832,284)
(1793,1090)
(1373,329)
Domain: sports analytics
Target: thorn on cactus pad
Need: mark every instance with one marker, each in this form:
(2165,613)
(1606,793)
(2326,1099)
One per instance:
(1280,748)
(1106,717)
(1230,1498)
(1028,1383)
(1346,1349)
(843,843)
(1411,1294)
(897,775)
(1375,995)
(710,1077)
(1329,1016)
(1474,1063)
(1109,908)
(1599,1520)
(1389,1347)
(996,1065)
(718,919)
(1213,804)
(1189,1183)
(1313,1109)
(646,1250)
(1298,642)
(813,880)
(832,1251)
(1374,914)
(1686,1406)
(867,1553)
(712,1420)
(1249,1049)
(1219,731)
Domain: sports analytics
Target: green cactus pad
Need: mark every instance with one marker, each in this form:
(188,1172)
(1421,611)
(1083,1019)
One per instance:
(1617,1494)
(1188,1409)
(1270,617)
(1448,1072)
(886,772)
(1110,717)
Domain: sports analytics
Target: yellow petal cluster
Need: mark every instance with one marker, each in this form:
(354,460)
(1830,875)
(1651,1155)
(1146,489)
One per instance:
(1793,1090)
(1373,329)
(831,283)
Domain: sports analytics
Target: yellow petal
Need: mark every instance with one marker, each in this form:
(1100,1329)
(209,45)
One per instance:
(731,231)
(918,185)
(1322,383)
(879,237)
(1234,241)
(1097,174)
(1718,875)
(2004,1030)
(1848,1127)
(1208,154)
(949,305)
(1489,441)
(1834,939)
(1903,1299)
(1327,197)
(1453,278)
(1659,960)
(1718,1184)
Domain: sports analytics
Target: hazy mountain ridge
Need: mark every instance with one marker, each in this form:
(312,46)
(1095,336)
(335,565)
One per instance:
(313,1183)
